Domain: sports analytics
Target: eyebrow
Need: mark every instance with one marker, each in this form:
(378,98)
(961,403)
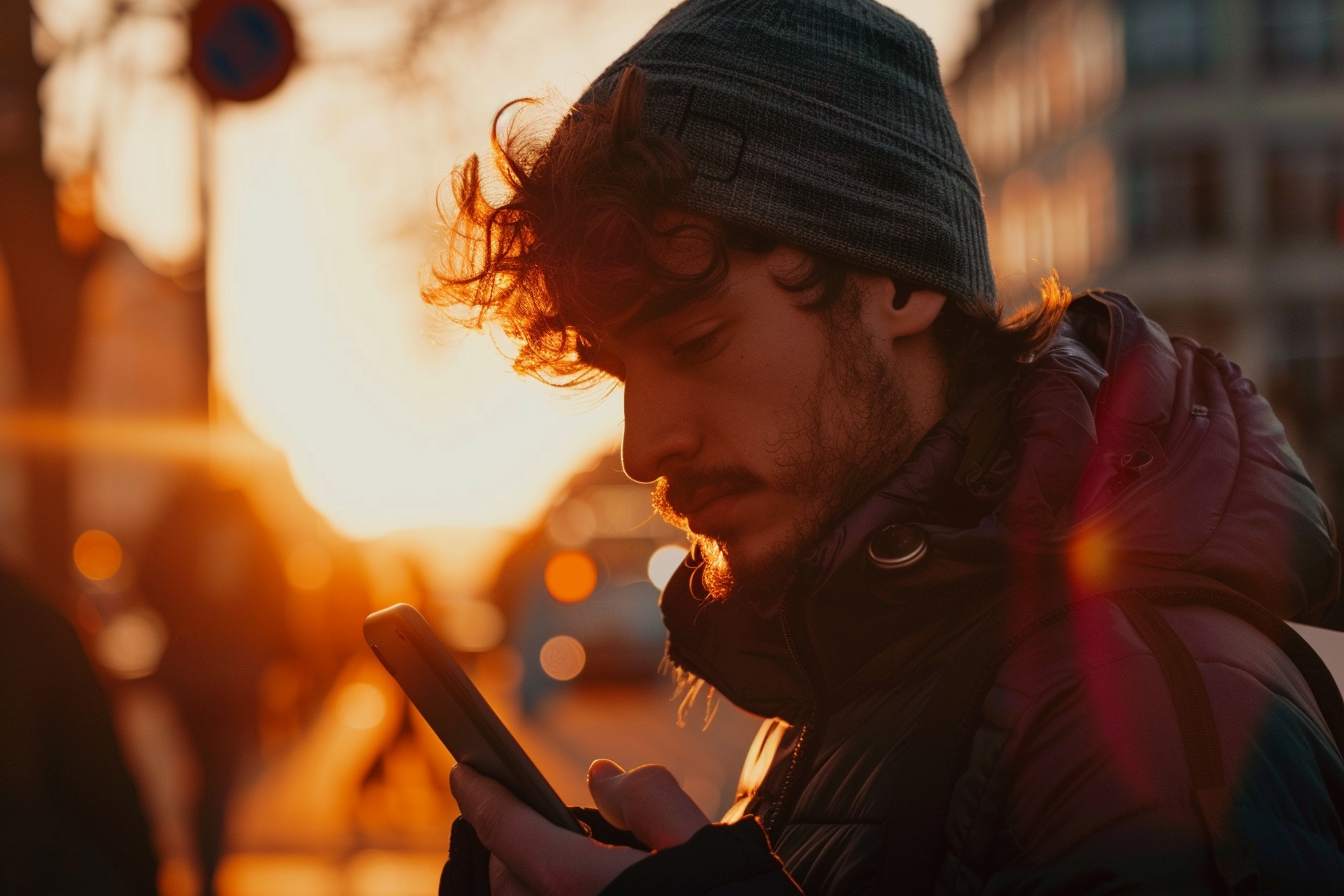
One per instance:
(660,307)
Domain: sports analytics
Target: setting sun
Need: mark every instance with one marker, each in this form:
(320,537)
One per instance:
(322,215)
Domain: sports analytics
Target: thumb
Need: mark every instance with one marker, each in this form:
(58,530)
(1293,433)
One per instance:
(605,790)
(646,801)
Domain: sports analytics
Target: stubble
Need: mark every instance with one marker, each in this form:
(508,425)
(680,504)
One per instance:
(835,445)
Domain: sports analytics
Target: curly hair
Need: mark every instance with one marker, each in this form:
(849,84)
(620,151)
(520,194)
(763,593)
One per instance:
(577,246)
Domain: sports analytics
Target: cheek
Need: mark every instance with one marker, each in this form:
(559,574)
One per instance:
(769,417)
(777,369)
(760,403)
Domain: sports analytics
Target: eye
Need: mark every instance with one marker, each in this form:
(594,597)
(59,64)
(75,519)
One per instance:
(699,345)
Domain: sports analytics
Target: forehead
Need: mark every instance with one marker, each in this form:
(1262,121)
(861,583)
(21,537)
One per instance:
(644,334)
(657,324)
(685,263)
(752,283)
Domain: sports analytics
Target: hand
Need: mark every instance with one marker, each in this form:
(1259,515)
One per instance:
(529,856)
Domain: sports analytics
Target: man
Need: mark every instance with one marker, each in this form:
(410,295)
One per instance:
(1008,591)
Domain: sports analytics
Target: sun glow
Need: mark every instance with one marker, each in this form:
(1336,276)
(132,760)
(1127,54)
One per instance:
(315,207)
(389,416)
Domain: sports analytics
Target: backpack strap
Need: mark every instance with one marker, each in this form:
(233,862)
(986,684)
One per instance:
(916,841)
(1232,855)
(1314,671)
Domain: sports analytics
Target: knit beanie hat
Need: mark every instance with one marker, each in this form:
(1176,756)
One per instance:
(822,123)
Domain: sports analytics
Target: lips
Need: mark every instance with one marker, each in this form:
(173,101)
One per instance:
(707,498)
(712,510)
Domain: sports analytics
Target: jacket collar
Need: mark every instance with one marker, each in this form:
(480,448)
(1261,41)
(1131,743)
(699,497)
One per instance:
(1085,452)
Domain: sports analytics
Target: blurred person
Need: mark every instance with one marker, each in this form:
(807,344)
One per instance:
(71,821)
(1010,591)
(211,571)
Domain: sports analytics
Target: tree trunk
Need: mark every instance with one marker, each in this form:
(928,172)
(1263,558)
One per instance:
(44,282)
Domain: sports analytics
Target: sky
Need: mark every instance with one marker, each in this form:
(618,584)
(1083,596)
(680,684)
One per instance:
(316,208)
(950,23)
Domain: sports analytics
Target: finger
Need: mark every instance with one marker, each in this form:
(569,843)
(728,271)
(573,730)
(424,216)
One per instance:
(503,882)
(537,854)
(647,801)
(600,771)
(507,827)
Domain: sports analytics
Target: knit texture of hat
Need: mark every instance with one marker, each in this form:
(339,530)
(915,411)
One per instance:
(822,123)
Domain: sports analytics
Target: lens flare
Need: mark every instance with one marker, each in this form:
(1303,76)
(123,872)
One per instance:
(150,438)
(1090,561)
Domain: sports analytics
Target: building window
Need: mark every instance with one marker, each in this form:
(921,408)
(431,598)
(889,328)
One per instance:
(1300,36)
(1175,195)
(1305,384)
(1096,38)
(1167,39)
(1307,366)
(1305,193)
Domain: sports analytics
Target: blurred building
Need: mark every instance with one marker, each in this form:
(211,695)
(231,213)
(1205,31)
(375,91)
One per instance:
(1188,153)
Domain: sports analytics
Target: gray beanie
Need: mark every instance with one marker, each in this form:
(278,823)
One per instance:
(822,123)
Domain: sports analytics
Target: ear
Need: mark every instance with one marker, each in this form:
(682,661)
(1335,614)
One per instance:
(893,314)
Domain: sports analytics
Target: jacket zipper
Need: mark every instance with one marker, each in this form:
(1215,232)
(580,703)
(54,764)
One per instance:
(807,734)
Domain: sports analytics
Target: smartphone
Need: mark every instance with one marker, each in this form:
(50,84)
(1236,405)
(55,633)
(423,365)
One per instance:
(439,687)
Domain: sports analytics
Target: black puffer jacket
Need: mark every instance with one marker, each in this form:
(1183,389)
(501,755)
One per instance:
(1119,460)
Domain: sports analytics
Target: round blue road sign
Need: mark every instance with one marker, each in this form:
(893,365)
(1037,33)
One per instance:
(241,50)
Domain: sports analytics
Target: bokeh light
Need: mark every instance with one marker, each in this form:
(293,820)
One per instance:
(178,877)
(374,872)
(572,524)
(271,875)
(308,566)
(571,576)
(97,555)
(362,705)
(664,563)
(562,657)
(473,626)
(131,645)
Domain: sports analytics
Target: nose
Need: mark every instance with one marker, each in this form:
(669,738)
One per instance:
(661,431)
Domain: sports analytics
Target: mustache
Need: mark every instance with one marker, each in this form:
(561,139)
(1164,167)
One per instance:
(675,496)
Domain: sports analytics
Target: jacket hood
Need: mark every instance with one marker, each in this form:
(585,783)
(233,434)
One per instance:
(1120,458)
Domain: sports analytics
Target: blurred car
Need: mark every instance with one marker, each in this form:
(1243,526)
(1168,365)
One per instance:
(580,591)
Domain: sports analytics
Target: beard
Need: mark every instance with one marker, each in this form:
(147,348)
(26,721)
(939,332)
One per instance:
(836,445)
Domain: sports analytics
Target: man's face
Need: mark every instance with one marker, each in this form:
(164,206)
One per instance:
(763,420)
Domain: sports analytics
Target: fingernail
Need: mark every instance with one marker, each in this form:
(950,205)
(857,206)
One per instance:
(601,769)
